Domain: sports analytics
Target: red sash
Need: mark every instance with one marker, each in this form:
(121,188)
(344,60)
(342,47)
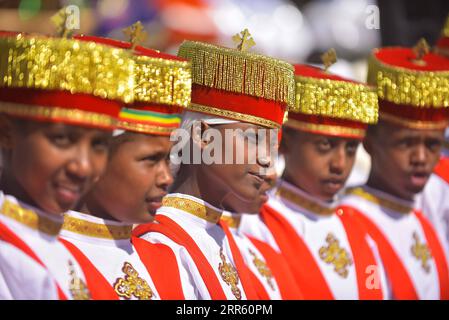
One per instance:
(438,254)
(402,285)
(362,254)
(280,270)
(99,287)
(308,276)
(172,230)
(442,168)
(10,237)
(248,279)
(162,266)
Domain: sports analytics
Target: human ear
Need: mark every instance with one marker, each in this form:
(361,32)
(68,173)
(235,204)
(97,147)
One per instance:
(198,136)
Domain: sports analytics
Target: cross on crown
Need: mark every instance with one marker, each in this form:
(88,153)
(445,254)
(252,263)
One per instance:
(329,58)
(59,20)
(420,50)
(136,34)
(243,40)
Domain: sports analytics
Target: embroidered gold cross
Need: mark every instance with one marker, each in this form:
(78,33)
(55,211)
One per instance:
(420,50)
(329,58)
(59,20)
(243,40)
(77,287)
(334,254)
(136,34)
(229,275)
(421,252)
(263,269)
(132,284)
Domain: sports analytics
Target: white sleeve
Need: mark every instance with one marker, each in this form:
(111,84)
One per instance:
(193,285)
(22,278)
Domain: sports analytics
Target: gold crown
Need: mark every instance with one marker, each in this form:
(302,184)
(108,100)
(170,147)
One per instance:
(37,62)
(421,89)
(239,71)
(336,99)
(159,80)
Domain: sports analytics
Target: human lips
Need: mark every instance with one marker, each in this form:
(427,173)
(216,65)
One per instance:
(333,184)
(263,185)
(154,203)
(419,178)
(67,193)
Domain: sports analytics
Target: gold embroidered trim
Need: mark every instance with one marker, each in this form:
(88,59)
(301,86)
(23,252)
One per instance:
(232,221)
(233,115)
(57,113)
(263,269)
(240,71)
(414,124)
(229,275)
(77,287)
(336,99)
(392,205)
(324,128)
(421,252)
(337,256)
(30,218)
(96,230)
(67,65)
(423,89)
(303,202)
(163,81)
(132,285)
(145,128)
(195,208)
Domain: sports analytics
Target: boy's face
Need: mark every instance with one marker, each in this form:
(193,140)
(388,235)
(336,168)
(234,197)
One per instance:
(402,159)
(246,178)
(317,164)
(51,166)
(136,178)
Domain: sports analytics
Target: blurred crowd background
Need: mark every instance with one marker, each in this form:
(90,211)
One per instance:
(294,30)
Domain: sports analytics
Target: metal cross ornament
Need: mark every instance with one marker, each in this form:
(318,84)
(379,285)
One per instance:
(329,58)
(334,254)
(420,50)
(59,20)
(132,285)
(243,40)
(136,34)
(421,252)
(77,287)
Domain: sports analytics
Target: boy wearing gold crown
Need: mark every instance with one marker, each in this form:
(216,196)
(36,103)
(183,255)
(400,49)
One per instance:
(135,180)
(59,102)
(236,92)
(327,251)
(412,87)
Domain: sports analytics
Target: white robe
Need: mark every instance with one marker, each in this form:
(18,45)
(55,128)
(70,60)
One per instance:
(209,237)
(313,229)
(21,277)
(434,204)
(108,254)
(399,229)
(250,253)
